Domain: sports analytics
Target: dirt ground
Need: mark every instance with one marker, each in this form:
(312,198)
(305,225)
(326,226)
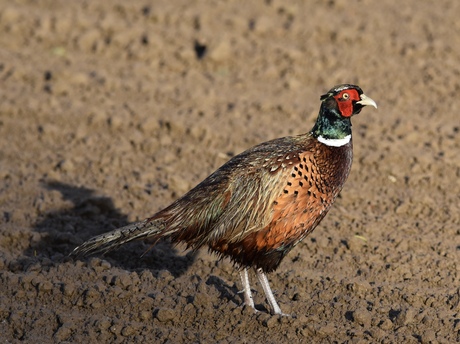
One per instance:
(110,110)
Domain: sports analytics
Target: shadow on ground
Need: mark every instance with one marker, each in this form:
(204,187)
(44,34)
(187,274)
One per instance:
(61,231)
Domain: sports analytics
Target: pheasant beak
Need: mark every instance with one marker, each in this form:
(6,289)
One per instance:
(365,100)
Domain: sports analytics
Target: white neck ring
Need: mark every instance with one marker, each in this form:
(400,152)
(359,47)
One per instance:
(335,142)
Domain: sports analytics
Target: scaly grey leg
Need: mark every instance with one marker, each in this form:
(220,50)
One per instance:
(248,300)
(275,309)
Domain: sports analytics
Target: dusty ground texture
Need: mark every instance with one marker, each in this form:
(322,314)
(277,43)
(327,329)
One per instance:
(110,110)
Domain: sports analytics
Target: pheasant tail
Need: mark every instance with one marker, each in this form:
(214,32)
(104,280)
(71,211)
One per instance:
(109,241)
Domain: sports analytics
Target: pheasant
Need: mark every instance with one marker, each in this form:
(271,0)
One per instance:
(261,203)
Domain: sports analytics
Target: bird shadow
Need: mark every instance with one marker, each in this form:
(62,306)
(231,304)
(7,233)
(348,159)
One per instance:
(227,292)
(89,215)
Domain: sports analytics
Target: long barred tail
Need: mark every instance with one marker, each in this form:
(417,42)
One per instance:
(111,240)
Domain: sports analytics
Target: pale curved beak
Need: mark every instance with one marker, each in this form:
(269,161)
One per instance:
(365,100)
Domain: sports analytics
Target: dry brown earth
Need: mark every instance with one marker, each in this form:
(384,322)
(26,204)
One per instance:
(110,110)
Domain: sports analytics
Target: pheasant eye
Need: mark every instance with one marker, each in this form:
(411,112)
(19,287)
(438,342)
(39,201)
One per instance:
(345,96)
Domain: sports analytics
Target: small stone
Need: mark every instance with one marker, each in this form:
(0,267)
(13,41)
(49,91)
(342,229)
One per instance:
(262,317)
(363,317)
(114,329)
(96,305)
(68,289)
(105,265)
(150,125)
(405,317)
(145,315)
(127,331)
(164,314)
(103,324)
(123,281)
(271,321)
(45,286)
(386,324)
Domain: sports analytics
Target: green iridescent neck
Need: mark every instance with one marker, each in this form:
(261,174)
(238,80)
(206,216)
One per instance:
(331,125)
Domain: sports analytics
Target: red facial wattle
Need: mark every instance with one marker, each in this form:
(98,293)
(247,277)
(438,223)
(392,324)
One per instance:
(345,101)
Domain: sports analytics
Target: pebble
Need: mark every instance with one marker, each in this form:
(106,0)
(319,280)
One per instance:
(406,317)
(165,314)
(145,315)
(271,322)
(363,317)
(123,281)
(387,324)
(127,331)
(68,289)
(150,125)
(103,323)
(45,286)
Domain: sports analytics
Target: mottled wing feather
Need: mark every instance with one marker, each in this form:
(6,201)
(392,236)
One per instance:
(251,206)
(236,199)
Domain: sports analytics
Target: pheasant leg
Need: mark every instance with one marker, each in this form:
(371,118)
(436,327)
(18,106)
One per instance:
(248,300)
(274,308)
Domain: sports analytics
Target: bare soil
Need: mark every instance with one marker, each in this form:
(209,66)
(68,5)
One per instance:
(110,110)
